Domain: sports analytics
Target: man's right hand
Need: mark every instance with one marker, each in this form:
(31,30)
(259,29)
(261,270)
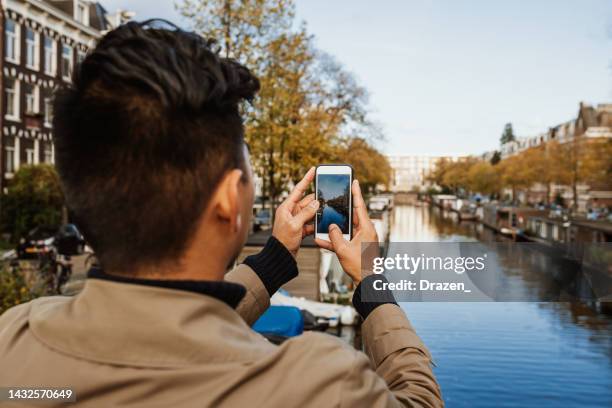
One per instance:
(349,252)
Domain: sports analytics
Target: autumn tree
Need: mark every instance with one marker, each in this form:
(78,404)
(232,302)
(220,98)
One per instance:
(483,178)
(372,169)
(456,175)
(438,176)
(548,166)
(571,165)
(308,104)
(596,162)
(516,174)
(580,161)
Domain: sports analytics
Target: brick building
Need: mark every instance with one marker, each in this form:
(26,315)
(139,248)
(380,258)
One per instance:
(41,42)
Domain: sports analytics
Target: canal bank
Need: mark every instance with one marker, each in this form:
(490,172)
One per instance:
(519,354)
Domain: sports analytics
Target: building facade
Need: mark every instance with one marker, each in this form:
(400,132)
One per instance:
(591,122)
(42,41)
(409,173)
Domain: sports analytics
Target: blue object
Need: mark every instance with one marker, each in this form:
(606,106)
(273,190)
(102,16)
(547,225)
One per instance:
(280,320)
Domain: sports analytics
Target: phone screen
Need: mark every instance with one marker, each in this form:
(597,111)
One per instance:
(334,195)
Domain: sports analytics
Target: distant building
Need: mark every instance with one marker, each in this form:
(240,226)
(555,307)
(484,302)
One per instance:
(42,40)
(593,122)
(409,173)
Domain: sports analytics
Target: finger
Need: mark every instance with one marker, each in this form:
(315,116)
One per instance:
(308,230)
(299,189)
(303,203)
(354,209)
(307,213)
(336,238)
(324,244)
(355,219)
(359,205)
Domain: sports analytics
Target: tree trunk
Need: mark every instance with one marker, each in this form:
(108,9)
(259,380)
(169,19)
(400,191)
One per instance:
(228,27)
(575,195)
(272,187)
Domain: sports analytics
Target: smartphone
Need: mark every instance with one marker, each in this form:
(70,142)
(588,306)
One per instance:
(333,191)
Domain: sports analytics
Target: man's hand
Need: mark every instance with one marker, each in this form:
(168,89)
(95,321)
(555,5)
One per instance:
(292,215)
(349,252)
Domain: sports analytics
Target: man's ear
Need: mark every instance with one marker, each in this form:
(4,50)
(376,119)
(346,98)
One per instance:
(226,200)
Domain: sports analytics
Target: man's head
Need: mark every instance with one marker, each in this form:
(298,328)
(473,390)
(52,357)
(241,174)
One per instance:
(150,146)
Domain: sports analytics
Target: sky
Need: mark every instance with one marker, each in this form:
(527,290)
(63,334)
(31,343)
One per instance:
(332,185)
(445,76)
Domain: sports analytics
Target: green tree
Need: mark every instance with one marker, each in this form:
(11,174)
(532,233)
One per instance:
(21,283)
(507,135)
(496,158)
(34,198)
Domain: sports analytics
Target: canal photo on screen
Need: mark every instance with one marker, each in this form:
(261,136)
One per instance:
(333,194)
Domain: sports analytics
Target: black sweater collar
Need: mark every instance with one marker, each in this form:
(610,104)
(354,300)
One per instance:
(228,292)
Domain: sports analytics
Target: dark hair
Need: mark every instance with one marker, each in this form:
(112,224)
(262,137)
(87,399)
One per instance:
(143,136)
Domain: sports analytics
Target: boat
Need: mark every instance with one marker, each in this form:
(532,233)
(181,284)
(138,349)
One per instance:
(509,220)
(381,202)
(335,314)
(380,219)
(444,201)
(465,209)
(549,233)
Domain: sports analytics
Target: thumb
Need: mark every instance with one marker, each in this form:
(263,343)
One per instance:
(336,238)
(308,212)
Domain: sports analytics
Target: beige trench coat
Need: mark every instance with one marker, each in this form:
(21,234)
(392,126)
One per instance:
(127,345)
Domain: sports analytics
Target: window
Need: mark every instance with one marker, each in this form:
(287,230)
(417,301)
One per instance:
(31,97)
(80,56)
(81,13)
(12,98)
(50,58)
(29,156)
(48,112)
(48,152)
(66,61)
(31,49)
(12,40)
(9,159)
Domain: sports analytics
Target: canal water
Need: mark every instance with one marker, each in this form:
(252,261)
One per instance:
(512,354)
(330,216)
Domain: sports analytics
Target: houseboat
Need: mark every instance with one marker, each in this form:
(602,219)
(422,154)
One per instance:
(587,243)
(550,232)
(561,231)
(508,220)
(590,231)
(465,209)
(445,201)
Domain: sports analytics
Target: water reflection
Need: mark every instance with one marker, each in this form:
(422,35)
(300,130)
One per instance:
(510,354)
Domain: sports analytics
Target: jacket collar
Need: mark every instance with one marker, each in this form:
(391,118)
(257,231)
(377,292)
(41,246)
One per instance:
(228,292)
(144,326)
